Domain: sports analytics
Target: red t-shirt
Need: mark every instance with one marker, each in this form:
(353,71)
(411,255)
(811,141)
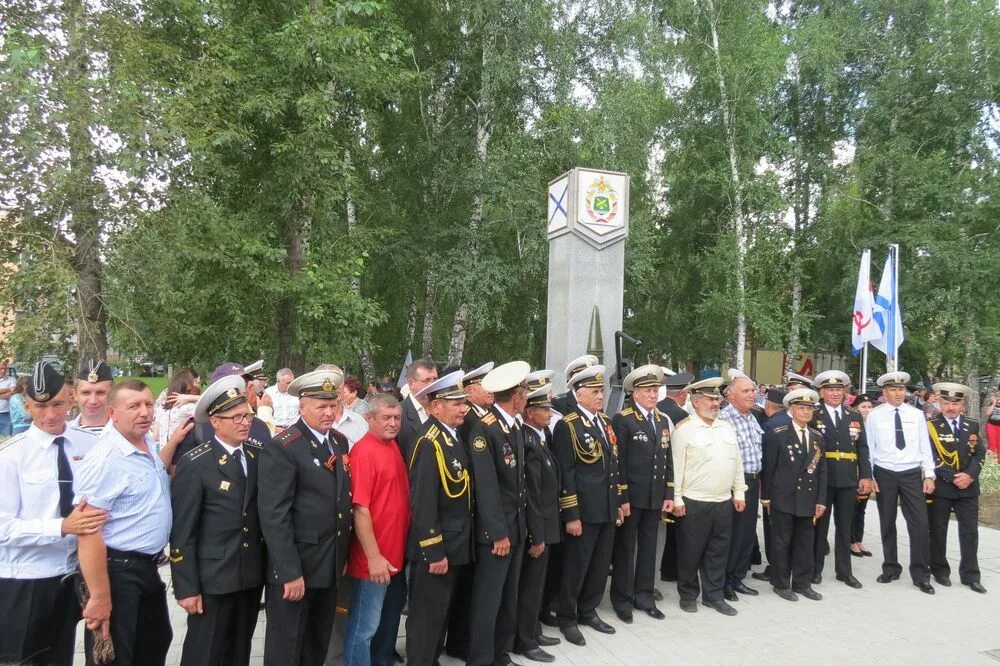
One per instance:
(379,481)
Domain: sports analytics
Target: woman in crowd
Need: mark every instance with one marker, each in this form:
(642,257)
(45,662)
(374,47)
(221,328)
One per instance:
(350,395)
(864,404)
(176,404)
(993,424)
(20,420)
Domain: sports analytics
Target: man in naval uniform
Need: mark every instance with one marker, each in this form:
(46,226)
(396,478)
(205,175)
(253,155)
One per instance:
(565,402)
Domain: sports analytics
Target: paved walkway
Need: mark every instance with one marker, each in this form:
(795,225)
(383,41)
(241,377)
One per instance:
(879,624)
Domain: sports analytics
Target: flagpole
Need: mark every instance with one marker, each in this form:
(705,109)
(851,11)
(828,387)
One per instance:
(895,305)
(864,367)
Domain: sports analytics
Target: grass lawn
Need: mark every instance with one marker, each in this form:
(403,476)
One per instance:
(155,384)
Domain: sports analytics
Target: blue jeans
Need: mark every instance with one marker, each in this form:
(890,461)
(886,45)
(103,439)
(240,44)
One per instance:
(373,622)
(5,424)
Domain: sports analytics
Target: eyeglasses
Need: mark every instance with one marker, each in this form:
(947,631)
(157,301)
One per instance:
(238,418)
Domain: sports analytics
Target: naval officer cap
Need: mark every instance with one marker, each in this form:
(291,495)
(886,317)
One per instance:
(589,377)
(540,397)
(476,376)
(318,384)
(221,396)
(448,387)
(46,382)
(507,376)
(951,391)
(678,381)
(538,378)
(894,380)
(645,376)
(803,396)
(94,372)
(794,379)
(832,379)
(707,388)
(776,395)
(580,363)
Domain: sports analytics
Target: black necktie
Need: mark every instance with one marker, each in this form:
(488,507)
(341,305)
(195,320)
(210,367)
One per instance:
(802,439)
(836,419)
(238,457)
(65,478)
(954,426)
(900,441)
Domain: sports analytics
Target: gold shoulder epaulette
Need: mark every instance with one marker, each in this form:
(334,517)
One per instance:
(432,432)
(572,416)
(198,451)
(628,411)
(489,418)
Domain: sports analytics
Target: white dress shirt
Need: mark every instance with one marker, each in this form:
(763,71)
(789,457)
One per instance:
(880,427)
(351,425)
(833,412)
(421,412)
(286,407)
(231,450)
(707,462)
(31,541)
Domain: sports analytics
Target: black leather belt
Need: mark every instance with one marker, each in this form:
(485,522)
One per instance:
(115,554)
(751,477)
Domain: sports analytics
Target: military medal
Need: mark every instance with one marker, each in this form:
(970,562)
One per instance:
(316,462)
(223,459)
(224,486)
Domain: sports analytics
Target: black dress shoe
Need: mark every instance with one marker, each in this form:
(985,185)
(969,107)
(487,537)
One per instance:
(654,613)
(624,615)
(537,654)
(730,595)
(743,589)
(925,587)
(547,641)
(574,635)
(943,581)
(548,619)
(977,587)
(597,624)
(851,581)
(886,578)
(817,579)
(857,553)
(657,595)
(810,593)
(760,576)
(786,594)
(720,606)
(398,657)
(866,553)
(689,605)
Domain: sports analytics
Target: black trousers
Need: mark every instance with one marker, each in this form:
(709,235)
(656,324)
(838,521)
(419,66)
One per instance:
(586,559)
(140,622)
(668,562)
(457,638)
(553,578)
(744,534)
(530,591)
(39,621)
(765,520)
(634,560)
(858,529)
(221,635)
(431,597)
(792,545)
(907,489)
(703,536)
(841,503)
(298,632)
(493,621)
(967,512)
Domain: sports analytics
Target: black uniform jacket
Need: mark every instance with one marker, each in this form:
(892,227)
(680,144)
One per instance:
(541,471)
(644,457)
(954,453)
(846,450)
(793,479)
(409,429)
(472,416)
(496,451)
(305,505)
(441,496)
(670,407)
(588,459)
(201,433)
(564,403)
(216,544)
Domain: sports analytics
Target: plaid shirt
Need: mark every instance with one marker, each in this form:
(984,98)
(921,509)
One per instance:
(749,435)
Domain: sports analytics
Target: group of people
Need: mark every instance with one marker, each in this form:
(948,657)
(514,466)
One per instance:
(479,500)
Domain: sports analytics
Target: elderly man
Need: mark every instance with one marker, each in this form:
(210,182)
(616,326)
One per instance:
(440,544)
(793,492)
(305,513)
(709,483)
(121,475)
(903,468)
(91,389)
(749,434)
(284,405)
(39,526)
(216,546)
(591,502)
(419,375)
(845,448)
(958,455)
(565,402)
(645,462)
(381,496)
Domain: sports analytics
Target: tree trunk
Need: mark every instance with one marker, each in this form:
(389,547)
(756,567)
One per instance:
(430,311)
(82,192)
(290,355)
(364,353)
(737,188)
(411,325)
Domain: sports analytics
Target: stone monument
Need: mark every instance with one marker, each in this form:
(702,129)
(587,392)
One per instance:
(587,227)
